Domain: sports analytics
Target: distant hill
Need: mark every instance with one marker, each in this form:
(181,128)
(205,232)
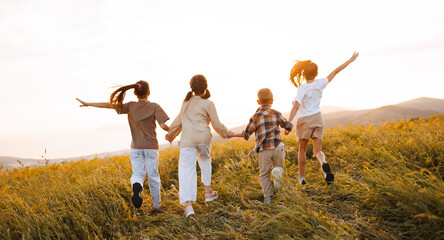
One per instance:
(433,104)
(420,108)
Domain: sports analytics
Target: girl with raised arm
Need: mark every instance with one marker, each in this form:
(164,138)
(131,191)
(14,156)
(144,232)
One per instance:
(142,117)
(306,109)
(196,114)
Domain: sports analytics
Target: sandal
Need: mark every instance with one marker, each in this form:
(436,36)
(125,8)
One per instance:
(189,213)
(212,197)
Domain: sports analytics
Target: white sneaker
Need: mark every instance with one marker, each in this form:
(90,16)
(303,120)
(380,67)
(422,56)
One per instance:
(277,173)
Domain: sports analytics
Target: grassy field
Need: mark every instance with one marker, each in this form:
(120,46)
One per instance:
(389,185)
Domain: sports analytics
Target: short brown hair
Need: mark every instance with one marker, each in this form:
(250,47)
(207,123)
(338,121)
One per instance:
(265,96)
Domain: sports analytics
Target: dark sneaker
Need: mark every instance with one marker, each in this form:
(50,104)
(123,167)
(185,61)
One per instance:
(155,211)
(329,177)
(137,199)
(303,182)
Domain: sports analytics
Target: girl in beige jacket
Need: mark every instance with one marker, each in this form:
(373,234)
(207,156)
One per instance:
(193,121)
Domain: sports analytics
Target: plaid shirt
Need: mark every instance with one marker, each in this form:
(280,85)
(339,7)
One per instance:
(265,125)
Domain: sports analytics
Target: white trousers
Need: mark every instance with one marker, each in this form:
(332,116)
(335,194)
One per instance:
(187,170)
(145,161)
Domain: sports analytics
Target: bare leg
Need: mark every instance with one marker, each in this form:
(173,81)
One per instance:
(317,147)
(317,150)
(188,206)
(302,156)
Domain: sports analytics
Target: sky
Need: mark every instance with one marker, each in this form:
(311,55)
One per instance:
(54,51)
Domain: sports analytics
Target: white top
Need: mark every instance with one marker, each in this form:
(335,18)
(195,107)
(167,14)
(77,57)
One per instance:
(309,97)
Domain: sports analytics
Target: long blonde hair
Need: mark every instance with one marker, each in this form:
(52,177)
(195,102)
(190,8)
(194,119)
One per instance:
(303,70)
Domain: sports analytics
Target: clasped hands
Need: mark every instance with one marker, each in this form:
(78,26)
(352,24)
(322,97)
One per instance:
(230,134)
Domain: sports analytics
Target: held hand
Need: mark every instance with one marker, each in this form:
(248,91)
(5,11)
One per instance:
(286,132)
(353,58)
(169,139)
(230,134)
(84,104)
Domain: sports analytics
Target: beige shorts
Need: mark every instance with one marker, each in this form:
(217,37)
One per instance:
(310,127)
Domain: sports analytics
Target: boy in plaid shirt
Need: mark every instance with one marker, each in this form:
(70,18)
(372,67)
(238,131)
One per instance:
(265,125)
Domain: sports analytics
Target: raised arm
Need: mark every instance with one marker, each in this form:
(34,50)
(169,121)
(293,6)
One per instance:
(344,65)
(98,105)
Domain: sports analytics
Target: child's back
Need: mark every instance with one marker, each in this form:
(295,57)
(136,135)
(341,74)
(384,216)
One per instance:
(265,124)
(309,96)
(142,117)
(193,120)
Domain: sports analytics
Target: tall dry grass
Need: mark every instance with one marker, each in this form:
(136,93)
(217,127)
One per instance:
(389,185)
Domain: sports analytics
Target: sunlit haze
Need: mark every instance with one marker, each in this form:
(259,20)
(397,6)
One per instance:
(54,51)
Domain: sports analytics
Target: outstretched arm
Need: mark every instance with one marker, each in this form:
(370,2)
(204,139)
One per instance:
(98,105)
(344,65)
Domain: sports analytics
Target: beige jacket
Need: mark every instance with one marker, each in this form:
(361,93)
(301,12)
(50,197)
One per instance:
(193,120)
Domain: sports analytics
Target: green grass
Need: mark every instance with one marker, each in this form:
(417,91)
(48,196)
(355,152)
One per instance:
(388,185)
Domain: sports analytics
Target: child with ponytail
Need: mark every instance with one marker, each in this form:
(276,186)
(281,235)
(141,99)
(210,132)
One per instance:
(142,117)
(306,109)
(196,114)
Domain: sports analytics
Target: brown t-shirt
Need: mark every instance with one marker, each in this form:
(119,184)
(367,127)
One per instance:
(142,117)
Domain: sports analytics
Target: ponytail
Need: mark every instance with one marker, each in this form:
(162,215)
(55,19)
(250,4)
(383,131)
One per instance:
(303,70)
(198,86)
(188,96)
(207,94)
(141,89)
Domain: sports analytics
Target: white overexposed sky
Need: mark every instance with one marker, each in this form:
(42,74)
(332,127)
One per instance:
(54,51)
